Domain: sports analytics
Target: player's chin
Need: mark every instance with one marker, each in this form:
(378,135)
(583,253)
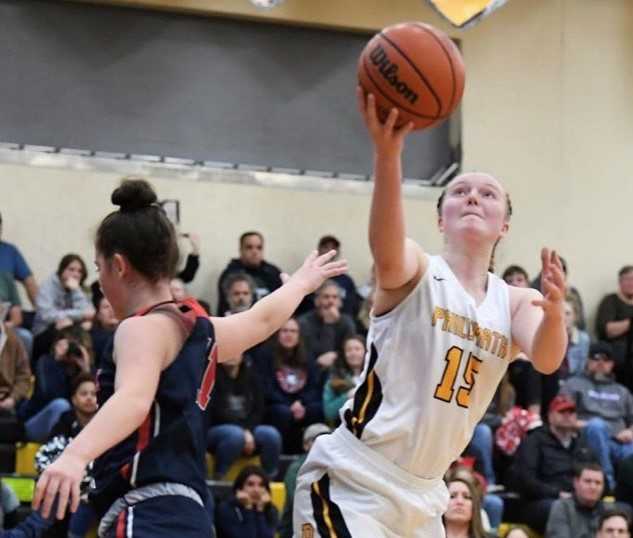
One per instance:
(475,230)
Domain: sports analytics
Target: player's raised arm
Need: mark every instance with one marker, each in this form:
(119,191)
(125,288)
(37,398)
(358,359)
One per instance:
(398,259)
(239,332)
(538,321)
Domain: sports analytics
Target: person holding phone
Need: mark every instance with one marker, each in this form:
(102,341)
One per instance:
(54,374)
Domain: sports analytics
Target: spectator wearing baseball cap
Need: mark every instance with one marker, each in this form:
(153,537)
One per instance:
(350,298)
(544,467)
(605,409)
(290,480)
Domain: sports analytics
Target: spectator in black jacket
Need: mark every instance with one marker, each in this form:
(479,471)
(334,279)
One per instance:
(350,298)
(84,400)
(102,331)
(249,512)
(325,328)
(546,459)
(293,393)
(236,410)
(267,277)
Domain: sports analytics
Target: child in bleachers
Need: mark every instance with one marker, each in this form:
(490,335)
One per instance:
(249,512)
(76,525)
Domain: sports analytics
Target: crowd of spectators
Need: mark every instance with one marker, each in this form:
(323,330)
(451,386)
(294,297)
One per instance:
(555,445)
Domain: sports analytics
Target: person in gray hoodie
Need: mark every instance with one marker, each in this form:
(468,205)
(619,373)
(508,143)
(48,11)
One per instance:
(578,515)
(605,409)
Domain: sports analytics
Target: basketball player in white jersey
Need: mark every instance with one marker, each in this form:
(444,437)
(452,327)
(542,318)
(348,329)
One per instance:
(442,333)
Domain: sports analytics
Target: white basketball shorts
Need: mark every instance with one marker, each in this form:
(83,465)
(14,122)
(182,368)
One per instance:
(347,490)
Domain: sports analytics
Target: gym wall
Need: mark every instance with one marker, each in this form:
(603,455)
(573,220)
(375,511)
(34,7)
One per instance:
(547,108)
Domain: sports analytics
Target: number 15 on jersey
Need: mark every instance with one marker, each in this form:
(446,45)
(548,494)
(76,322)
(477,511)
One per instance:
(445,390)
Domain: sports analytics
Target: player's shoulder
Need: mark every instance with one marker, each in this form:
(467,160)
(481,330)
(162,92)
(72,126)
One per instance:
(387,300)
(522,296)
(153,324)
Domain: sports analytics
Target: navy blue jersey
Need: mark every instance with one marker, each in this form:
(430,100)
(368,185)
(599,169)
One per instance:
(170,444)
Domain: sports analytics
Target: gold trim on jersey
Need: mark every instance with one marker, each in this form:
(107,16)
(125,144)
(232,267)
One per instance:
(367,398)
(326,510)
(370,392)
(327,514)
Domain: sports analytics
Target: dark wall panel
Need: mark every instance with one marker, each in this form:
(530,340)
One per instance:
(133,81)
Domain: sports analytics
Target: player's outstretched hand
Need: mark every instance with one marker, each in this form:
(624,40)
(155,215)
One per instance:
(60,481)
(552,283)
(387,138)
(316,270)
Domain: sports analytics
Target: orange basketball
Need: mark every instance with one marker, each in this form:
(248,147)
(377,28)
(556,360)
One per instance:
(415,68)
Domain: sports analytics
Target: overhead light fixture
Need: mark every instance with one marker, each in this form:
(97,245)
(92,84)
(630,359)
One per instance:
(465,13)
(266,4)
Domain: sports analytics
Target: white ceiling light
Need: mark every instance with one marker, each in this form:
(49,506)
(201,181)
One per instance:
(266,4)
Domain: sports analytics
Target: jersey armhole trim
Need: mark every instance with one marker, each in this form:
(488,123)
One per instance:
(401,305)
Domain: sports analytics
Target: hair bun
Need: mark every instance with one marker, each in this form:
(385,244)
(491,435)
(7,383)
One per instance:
(134,194)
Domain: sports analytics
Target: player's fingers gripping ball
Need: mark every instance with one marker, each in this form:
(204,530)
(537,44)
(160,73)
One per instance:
(415,68)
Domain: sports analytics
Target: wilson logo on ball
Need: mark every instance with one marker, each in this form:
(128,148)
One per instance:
(389,72)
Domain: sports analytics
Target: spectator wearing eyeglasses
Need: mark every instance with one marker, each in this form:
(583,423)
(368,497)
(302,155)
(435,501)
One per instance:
(605,409)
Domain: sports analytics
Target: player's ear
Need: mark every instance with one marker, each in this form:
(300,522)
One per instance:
(120,265)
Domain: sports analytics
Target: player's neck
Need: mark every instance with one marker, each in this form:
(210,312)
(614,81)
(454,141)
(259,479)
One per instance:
(146,295)
(469,266)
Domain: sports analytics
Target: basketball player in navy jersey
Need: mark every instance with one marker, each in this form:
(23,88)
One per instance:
(149,436)
(443,330)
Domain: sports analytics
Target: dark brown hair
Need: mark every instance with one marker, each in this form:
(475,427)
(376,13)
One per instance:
(295,357)
(466,477)
(340,366)
(83,377)
(248,234)
(246,473)
(491,265)
(625,270)
(513,270)
(582,466)
(140,231)
(67,260)
(616,512)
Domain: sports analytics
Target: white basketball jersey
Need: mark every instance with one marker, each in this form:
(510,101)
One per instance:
(432,367)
